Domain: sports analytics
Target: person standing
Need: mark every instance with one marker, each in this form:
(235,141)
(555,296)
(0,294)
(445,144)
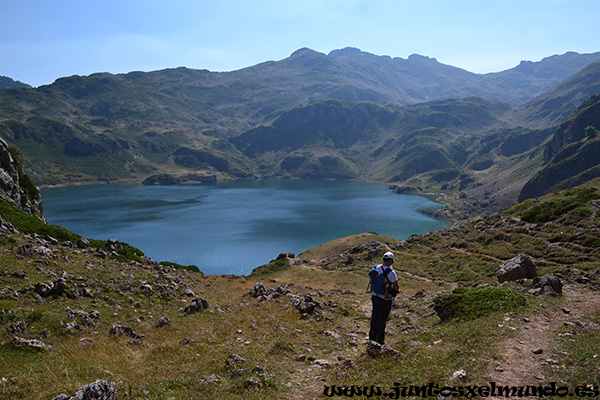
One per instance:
(382,303)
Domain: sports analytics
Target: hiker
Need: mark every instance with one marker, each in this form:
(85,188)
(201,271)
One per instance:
(384,287)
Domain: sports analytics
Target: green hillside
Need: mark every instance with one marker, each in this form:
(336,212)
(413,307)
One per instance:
(96,315)
(346,115)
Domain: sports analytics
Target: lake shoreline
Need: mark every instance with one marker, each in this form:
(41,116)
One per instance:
(250,221)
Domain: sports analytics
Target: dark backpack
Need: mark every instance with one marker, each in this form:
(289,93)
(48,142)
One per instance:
(377,281)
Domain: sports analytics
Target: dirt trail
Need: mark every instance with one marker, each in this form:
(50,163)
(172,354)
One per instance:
(526,354)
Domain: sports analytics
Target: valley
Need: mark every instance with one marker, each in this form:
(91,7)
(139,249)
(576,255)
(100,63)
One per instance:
(512,153)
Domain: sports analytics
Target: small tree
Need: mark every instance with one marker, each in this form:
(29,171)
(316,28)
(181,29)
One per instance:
(591,132)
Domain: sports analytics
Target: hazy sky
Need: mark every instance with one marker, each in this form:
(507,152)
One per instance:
(42,40)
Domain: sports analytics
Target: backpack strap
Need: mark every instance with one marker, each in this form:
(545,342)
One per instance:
(385,273)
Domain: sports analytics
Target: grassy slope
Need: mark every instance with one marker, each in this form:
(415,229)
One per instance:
(272,333)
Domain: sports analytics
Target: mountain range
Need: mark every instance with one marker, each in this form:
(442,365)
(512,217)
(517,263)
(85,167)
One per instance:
(420,124)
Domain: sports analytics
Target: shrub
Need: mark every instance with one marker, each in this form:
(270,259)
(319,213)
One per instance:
(477,302)
(28,224)
(192,268)
(559,205)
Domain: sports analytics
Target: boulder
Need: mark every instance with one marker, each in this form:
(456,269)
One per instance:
(519,267)
(163,321)
(112,244)
(257,290)
(99,390)
(34,344)
(234,359)
(306,305)
(83,243)
(16,328)
(57,288)
(197,305)
(375,350)
(549,285)
(124,330)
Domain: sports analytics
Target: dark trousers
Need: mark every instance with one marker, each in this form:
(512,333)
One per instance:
(379,316)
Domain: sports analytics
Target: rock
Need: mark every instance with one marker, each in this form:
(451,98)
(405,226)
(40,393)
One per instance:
(95,315)
(60,287)
(459,376)
(187,342)
(163,321)
(56,289)
(300,357)
(124,330)
(201,383)
(259,370)
(419,295)
(99,390)
(165,291)
(34,344)
(335,335)
(71,326)
(16,328)
(86,341)
(375,349)
(549,285)
(306,305)
(234,359)
(6,293)
(237,373)
(26,250)
(147,290)
(112,244)
(285,255)
(83,243)
(519,267)
(322,363)
(12,174)
(257,290)
(87,321)
(197,305)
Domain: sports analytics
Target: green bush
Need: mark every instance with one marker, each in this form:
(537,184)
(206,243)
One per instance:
(473,303)
(559,205)
(28,224)
(192,268)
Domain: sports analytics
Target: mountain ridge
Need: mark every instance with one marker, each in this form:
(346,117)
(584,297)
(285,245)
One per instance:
(163,125)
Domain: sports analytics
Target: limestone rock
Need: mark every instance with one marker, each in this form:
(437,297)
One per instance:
(519,267)
(56,289)
(124,330)
(99,390)
(34,344)
(306,305)
(549,285)
(83,243)
(234,359)
(209,379)
(197,305)
(162,322)
(16,328)
(375,350)
(11,190)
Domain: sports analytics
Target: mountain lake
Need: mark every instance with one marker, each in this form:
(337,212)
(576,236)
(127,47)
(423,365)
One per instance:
(233,227)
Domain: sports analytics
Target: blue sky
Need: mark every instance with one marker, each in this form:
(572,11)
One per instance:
(42,40)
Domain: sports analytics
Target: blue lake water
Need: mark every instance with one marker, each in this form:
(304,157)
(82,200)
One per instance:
(235,226)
